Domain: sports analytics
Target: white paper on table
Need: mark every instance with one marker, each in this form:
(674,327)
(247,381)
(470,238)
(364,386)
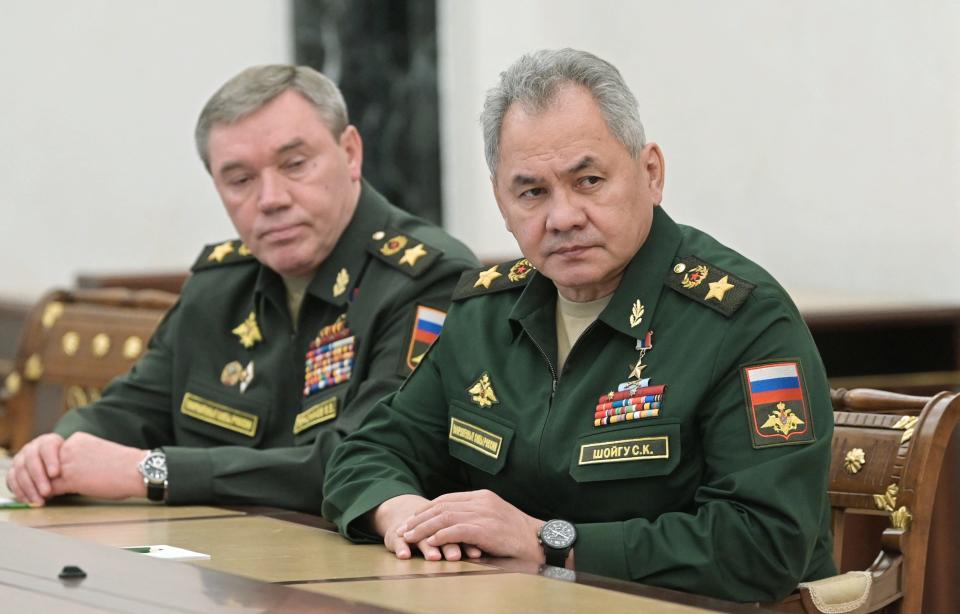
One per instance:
(171,553)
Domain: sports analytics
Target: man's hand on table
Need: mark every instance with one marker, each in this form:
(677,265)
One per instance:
(478,521)
(82,464)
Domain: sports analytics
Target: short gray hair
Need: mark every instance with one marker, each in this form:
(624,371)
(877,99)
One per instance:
(256,86)
(533,82)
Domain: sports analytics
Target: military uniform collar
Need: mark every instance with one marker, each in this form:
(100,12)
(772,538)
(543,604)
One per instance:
(337,275)
(631,309)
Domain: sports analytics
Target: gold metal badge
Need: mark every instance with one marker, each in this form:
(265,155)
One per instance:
(636,314)
(248,331)
(70,342)
(244,250)
(783,420)
(132,347)
(695,277)
(636,372)
(33,369)
(908,424)
(854,460)
(394,245)
(901,518)
(12,383)
(51,313)
(100,345)
(520,270)
(230,375)
(888,500)
(486,277)
(718,288)
(410,256)
(221,251)
(481,392)
(343,280)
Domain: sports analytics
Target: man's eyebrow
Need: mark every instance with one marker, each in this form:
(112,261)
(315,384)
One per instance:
(585,163)
(522,180)
(288,146)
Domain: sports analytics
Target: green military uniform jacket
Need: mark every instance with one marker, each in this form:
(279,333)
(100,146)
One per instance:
(269,443)
(711,487)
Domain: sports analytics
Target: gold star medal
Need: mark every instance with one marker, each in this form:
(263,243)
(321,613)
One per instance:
(221,251)
(411,255)
(482,392)
(487,277)
(719,288)
(643,345)
(248,331)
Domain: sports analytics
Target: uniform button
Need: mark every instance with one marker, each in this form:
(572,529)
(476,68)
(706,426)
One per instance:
(680,268)
(379,235)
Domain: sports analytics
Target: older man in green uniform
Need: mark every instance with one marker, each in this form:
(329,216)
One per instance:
(282,340)
(632,398)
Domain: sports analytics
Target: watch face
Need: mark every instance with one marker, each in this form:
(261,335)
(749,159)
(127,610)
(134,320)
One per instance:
(155,468)
(558,534)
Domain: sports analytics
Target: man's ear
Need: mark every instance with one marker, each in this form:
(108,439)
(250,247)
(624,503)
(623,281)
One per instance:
(654,171)
(496,196)
(352,145)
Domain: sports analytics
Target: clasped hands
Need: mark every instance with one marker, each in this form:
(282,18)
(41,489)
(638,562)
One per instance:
(81,464)
(456,524)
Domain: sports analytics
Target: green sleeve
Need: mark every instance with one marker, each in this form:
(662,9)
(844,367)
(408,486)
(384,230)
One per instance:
(292,477)
(401,449)
(759,513)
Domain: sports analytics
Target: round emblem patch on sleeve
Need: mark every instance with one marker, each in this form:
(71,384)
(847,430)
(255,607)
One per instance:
(777,407)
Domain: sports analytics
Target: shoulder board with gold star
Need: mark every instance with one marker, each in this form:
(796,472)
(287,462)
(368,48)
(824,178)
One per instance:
(485,280)
(402,251)
(219,254)
(708,285)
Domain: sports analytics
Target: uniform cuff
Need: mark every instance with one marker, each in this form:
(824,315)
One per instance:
(600,550)
(366,501)
(190,475)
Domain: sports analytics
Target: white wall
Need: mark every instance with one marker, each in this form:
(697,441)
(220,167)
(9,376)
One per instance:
(97,107)
(820,138)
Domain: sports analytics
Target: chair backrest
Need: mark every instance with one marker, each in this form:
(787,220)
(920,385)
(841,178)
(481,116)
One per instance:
(74,342)
(894,491)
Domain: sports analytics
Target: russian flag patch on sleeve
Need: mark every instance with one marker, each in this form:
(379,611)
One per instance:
(777,404)
(427,324)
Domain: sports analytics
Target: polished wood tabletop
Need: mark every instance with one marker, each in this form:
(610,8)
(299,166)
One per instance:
(263,559)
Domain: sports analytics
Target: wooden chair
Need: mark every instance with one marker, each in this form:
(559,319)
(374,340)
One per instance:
(895,493)
(74,342)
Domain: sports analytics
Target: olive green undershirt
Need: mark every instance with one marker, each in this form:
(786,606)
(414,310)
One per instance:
(572,319)
(296,290)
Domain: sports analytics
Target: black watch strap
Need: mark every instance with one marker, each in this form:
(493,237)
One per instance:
(557,558)
(156,492)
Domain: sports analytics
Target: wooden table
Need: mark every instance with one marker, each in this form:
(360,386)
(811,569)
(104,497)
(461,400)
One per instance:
(267,559)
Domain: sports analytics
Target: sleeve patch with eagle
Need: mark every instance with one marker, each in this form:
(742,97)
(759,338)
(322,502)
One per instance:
(777,407)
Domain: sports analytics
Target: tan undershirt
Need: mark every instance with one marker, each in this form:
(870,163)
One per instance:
(296,290)
(572,319)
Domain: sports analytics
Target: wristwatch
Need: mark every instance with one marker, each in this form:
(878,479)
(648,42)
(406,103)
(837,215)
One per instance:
(557,538)
(153,468)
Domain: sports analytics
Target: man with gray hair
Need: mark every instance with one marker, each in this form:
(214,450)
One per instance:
(283,339)
(638,400)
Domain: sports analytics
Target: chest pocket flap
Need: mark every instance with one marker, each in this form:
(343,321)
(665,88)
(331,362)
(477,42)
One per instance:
(478,440)
(635,452)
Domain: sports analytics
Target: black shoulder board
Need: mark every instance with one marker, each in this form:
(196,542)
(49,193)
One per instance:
(401,251)
(220,254)
(708,285)
(484,280)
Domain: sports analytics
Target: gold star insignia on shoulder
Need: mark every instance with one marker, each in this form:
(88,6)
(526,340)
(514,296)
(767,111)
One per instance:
(411,255)
(221,251)
(719,288)
(486,277)
(244,250)
(248,331)
(481,392)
